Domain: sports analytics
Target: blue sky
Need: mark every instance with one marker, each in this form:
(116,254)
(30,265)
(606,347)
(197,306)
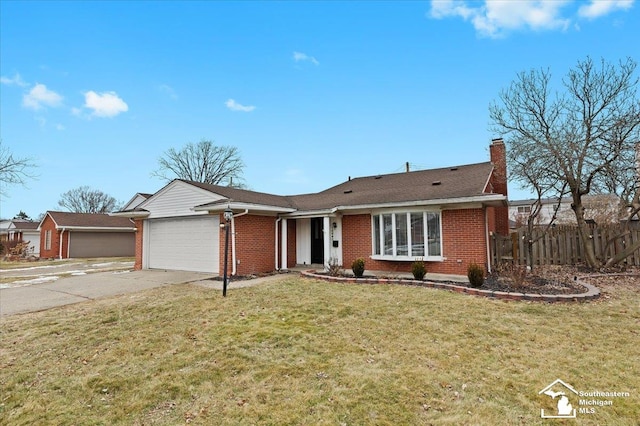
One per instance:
(309,92)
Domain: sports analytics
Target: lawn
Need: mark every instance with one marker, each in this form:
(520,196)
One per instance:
(301,351)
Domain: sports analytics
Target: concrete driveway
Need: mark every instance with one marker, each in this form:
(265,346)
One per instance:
(74,289)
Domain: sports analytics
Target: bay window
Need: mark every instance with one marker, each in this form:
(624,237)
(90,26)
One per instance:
(407,235)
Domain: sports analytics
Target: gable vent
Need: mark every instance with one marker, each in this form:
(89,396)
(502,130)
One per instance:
(435,183)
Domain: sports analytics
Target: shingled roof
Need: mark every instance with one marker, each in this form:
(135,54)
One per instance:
(443,184)
(449,184)
(24,225)
(90,221)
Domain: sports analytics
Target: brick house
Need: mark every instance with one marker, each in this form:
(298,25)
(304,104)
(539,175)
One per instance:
(80,235)
(442,216)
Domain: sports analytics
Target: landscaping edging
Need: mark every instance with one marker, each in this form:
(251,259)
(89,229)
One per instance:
(592,293)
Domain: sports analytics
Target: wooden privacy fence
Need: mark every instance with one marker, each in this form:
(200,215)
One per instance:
(562,245)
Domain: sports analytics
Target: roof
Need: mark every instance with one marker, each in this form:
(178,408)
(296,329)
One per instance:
(89,221)
(444,185)
(24,225)
(238,195)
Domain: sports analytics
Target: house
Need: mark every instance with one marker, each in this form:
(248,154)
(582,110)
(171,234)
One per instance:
(25,230)
(442,216)
(600,208)
(135,201)
(76,235)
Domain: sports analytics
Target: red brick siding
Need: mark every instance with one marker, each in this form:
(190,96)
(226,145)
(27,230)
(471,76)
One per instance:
(499,216)
(139,244)
(463,238)
(291,243)
(54,252)
(255,245)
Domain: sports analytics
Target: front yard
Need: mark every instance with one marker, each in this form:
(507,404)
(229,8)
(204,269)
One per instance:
(301,351)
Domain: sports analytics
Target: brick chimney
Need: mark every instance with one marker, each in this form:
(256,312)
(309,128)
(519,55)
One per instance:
(498,154)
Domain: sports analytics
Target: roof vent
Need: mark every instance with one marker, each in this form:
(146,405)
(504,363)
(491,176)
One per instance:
(436,182)
(348,191)
(453,169)
(378,177)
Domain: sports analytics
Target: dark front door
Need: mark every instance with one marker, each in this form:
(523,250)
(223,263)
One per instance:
(317,241)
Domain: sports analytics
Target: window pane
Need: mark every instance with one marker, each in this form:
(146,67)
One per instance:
(402,247)
(376,235)
(388,234)
(433,231)
(417,234)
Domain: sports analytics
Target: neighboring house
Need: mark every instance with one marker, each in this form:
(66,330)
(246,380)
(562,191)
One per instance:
(4,229)
(75,235)
(136,201)
(25,230)
(602,208)
(443,216)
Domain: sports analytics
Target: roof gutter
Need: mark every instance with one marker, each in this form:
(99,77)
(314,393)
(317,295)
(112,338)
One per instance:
(96,228)
(485,200)
(131,215)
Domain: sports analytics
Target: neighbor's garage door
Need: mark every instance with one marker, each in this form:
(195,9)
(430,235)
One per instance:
(189,244)
(102,244)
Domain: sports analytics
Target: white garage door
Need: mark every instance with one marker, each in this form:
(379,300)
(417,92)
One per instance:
(189,244)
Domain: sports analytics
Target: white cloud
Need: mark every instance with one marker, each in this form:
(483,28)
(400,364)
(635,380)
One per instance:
(598,8)
(39,96)
(303,57)
(107,104)
(234,106)
(168,90)
(16,80)
(494,18)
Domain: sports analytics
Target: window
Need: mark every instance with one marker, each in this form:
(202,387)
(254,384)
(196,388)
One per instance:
(524,209)
(47,240)
(407,235)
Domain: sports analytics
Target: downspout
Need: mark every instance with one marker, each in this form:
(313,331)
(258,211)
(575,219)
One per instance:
(233,240)
(60,245)
(487,236)
(278,220)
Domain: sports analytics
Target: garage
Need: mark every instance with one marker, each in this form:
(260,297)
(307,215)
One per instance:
(186,244)
(101,244)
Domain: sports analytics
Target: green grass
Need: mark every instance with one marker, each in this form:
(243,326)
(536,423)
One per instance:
(301,351)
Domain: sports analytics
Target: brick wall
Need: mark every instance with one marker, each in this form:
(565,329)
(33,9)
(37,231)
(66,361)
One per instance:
(255,245)
(291,243)
(54,252)
(499,216)
(139,244)
(463,241)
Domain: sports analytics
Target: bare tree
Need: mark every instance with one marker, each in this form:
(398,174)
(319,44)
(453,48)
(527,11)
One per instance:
(202,162)
(13,170)
(86,200)
(583,137)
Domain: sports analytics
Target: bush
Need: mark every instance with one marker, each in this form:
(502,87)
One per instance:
(419,270)
(358,267)
(475,274)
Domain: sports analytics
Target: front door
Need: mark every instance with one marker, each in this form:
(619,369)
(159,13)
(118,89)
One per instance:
(317,241)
